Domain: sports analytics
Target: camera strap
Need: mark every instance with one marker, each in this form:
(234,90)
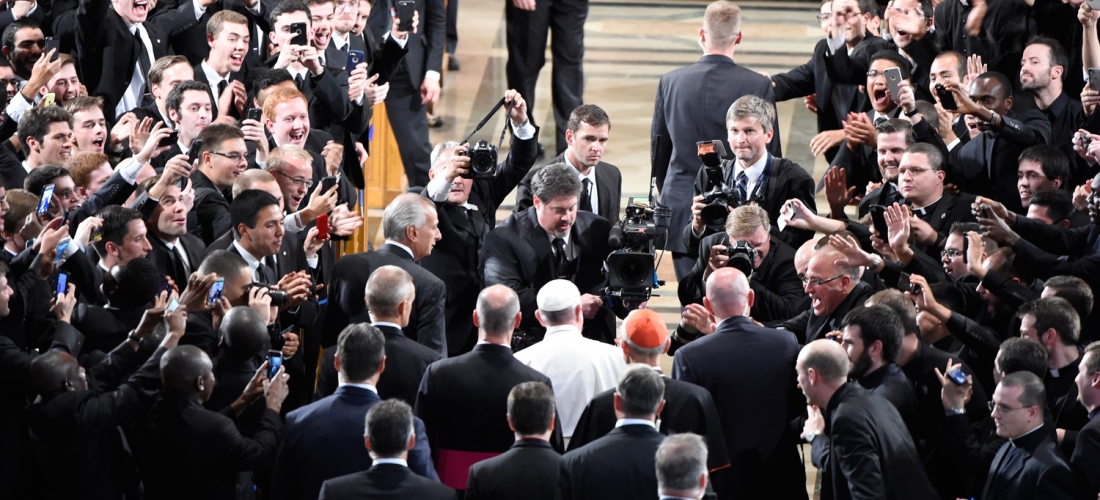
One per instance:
(486,120)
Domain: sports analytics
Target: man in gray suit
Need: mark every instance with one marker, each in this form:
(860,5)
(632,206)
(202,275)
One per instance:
(690,107)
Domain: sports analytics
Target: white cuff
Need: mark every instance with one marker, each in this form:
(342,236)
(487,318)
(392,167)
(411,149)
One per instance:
(129,169)
(17,106)
(835,43)
(526,132)
(29,12)
(439,188)
(293,222)
(400,43)
(312,263)
(431,75)
(953,144)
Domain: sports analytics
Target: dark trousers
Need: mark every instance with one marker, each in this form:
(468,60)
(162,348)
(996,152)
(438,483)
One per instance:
(410,127)
(527,33)
(452,27)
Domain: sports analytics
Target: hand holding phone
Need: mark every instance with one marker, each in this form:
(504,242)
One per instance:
(405,10)
(878,220)
(62,283)
(322,227)
(947,99)
(256,114)
(301,34)
(354,58)
(216,291)
(958,377)
(194,152)
(274,361)
(893,77)
(45,199)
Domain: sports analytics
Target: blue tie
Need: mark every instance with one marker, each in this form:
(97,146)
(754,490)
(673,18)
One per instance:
(743,185)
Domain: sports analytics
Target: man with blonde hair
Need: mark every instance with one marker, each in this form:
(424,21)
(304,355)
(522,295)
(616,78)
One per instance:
(690,107)
(774,279)
(228,35)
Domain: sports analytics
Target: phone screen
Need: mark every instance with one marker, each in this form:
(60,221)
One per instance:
(274,361)
(62,283)
(173,305)
(957,376)
(62,246)
(216,290)
(44,201)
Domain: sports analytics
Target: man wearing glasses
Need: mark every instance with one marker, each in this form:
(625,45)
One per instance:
(834,288)
(224,157)
(1029,464)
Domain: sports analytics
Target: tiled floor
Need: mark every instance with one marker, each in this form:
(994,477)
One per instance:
(629,45)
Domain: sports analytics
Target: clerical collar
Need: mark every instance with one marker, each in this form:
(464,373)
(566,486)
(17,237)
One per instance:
(1015,440)
(925,210)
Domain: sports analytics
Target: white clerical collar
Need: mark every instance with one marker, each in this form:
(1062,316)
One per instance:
(1013,440)
(634,421)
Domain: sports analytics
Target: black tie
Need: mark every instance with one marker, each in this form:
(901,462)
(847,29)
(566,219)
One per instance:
(267,271)
(559,252)
(880,120)
(221,88)
(177,269)
(142,55)
(586,195)
(300,81)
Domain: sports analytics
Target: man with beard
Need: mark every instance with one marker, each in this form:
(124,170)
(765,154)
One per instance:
(892,138)
(21,47)
(872,337)
(1042,73)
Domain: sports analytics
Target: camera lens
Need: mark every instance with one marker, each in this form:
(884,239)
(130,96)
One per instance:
(715,214)
(482,164)
(634,270)
(278,297)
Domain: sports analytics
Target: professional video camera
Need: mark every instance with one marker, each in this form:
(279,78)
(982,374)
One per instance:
(483,156)
(742,256)
(718,197)
(630,269)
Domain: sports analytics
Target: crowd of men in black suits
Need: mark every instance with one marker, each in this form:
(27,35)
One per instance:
(180,178)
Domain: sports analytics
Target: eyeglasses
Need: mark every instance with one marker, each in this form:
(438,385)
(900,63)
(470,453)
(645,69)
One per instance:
(297,182)
(1002,408)
(64,195)
(874,73)
(824,17)
(235,156)
(951,253)
(347,5)
(817,282)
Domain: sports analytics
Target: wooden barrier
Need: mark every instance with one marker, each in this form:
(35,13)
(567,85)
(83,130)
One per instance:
(384,176)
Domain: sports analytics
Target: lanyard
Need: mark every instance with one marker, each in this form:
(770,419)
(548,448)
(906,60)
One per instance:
(760,181)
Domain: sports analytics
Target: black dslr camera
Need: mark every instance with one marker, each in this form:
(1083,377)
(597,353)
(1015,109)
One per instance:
(483,156)
(742,256)
(278,297)
(717,198)
(483,160)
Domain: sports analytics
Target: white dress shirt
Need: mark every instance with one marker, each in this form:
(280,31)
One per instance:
(136,90)
(214,78)
(753,172)
(592,190)
(579,368)
(253,263)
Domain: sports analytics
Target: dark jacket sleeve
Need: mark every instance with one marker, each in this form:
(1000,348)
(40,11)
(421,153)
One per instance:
(501,266)
(977,337)
(660,154)
(256,453)
(431,330)
(521,157)
(1085,461)
(798,82)
(1052,238)
(1009,292)
(858,457)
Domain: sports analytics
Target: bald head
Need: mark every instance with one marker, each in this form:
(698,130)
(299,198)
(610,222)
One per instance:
(827,358)
(182,367)
(497,312)
(50,371)
(387,288)
(244,334)
(803,255)
(728,293)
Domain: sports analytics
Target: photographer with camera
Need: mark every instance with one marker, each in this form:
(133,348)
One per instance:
(767,261)
(467,205)
(754,178)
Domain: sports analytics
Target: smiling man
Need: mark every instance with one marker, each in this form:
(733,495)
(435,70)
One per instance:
(1042,168)
(174,251)
(224,157)
(223,70)
(47,139)
(601,183)
(920,181)
(89,125)
(111,60)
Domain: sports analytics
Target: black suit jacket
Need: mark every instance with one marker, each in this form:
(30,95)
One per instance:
(788,180)
(1040,472)
(808,327)
(691,106)
(609,187)
(528,470)
(212,209)
(181,439)
(619,465)
(988,163)
(406,362)
(193,246)
(425,48)
(867,450)
(812,78)
(11,168)
(778,291)
(346,292)
(106,55)
(455,257)
(688,408)
(385,481)
(746,366)
(851,69)
(464,400)
(190,40)
(518,254)
(1085,460)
